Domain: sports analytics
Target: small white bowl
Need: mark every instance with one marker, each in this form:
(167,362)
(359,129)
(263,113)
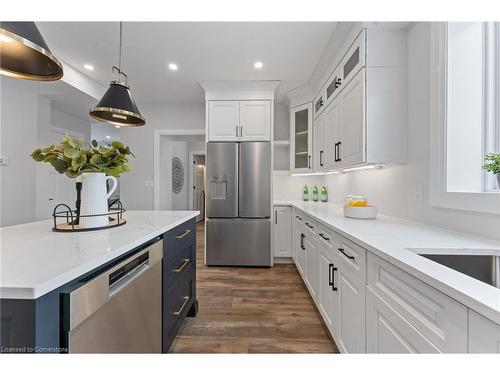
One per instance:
(368,212)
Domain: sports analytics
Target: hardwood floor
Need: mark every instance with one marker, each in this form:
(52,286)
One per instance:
(251,310)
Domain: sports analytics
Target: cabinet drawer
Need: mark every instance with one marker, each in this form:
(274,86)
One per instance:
(353,257)
(328,238)
(175,240)
(310,226)
(388,332)
(177,266)
(176,304)
(440,319)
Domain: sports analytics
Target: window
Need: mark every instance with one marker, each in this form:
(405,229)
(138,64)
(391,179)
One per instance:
(464,114)
(472,109)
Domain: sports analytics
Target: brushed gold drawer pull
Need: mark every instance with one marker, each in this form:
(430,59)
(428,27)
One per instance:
(181,236)
(178,312)
(184,264)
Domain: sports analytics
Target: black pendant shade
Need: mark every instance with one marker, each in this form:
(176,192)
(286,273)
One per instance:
(24,54)
(117,107)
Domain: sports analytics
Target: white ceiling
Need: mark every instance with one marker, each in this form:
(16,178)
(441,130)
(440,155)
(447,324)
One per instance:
(204,51)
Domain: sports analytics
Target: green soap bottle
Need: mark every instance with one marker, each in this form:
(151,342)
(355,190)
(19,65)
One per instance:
(324,194)
(306,193)
(315,194)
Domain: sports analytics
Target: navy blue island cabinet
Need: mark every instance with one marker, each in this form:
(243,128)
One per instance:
(40,325)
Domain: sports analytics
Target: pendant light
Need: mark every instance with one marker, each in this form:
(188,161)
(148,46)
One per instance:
(117,106)
(24,54)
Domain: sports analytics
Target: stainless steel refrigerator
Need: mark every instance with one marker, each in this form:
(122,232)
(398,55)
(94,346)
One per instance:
(238,204)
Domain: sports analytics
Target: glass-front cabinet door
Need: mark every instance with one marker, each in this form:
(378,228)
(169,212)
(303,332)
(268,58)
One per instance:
(301,138)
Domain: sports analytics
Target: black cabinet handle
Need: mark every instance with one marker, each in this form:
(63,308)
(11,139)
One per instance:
(323,237)
(275,217)
(321,158)
(309,165)
(309,225)
(337,82)
(331,276)
(339,151)
(302,241)
(336,152)
(298,217)
(330,279)
(345,254)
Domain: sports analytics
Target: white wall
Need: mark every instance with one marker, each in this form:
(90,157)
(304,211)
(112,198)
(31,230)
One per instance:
(25,123)
(18,133)
(134,193)
(392,189)
(287,187)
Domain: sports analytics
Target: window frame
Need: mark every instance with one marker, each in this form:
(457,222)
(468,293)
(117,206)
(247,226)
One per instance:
(486,201)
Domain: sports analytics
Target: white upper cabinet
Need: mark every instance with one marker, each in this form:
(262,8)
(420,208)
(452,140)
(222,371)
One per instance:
(360,112)
(255,120)
(354,59)
(230,120)
(223,120)
(351,146)
(332,134)
(301,140)
(319,157)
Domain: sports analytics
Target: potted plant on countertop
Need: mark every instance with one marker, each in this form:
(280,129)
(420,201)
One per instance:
(492,165)
(93,167)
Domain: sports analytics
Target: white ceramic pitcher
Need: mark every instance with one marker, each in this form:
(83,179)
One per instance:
(94,199)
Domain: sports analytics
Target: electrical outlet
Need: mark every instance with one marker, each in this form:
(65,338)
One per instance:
(419,193)
(148,183)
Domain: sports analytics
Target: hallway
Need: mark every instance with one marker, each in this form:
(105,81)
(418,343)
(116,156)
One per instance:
(251,310)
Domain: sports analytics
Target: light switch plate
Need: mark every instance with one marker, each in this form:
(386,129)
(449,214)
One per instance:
(4,160)
(419,193)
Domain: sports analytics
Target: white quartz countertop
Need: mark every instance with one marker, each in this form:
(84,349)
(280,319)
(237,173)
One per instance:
(398,241)
(34,260)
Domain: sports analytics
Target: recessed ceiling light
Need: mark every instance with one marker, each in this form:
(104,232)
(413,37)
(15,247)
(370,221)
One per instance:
(88,67)
(108,137)
(258,65)
(173,66)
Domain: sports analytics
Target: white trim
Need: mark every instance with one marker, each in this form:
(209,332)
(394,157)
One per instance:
(239,90)
(156,162)
(479,202)
(190,177)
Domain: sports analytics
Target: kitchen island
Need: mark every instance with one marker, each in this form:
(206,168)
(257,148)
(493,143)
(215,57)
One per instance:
(39,268)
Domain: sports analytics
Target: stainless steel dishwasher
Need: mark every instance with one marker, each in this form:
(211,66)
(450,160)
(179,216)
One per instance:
(118,310)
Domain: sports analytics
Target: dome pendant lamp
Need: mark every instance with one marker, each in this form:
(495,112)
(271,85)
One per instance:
(117,107)
(24,54)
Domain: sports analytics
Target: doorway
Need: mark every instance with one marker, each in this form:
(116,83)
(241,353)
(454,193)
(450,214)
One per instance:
(198,178)
(174,175)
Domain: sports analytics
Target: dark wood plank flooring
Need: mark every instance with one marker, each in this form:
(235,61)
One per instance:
(252,310)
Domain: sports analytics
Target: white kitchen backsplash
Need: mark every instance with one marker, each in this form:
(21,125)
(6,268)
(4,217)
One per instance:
(287,187)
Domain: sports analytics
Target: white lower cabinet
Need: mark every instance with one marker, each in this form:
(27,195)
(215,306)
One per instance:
(484,335)
(310,265)
(389,332)
(298,252)
(282,231)
(350,314)
(437,317)
(370,305)
(326,290)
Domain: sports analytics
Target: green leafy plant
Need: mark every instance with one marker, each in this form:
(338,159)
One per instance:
(70,157)
(492,163)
